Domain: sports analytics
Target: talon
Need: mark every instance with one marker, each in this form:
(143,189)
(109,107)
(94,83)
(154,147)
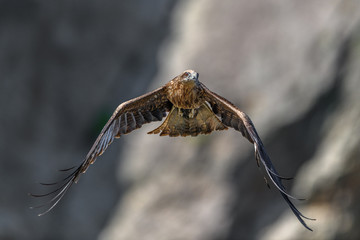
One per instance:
(180,112)
(192,113)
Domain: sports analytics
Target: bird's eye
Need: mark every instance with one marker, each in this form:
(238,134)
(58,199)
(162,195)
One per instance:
(186,74)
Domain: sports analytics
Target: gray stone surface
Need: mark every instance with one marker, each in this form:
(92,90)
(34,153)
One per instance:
(293,66)
(290,66)
(64,67)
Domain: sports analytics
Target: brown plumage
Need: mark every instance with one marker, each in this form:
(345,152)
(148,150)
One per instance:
(192,109)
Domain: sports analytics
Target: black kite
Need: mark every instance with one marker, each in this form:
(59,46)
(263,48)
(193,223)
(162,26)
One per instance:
(192,109)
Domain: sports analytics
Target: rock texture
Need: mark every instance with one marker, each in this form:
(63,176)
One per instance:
(293,66)
(65,66)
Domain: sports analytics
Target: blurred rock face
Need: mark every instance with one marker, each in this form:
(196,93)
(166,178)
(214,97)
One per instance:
(292,66)
(65,66)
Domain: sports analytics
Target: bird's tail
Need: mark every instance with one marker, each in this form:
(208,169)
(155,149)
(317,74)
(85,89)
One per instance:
(185,122)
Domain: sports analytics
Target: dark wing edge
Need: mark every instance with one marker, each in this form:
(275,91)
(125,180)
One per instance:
(127,117)
(233,117)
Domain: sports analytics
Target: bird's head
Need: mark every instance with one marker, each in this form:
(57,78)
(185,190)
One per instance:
(189,75)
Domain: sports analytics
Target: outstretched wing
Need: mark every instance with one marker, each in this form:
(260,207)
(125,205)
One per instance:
(127,117)
(231,116)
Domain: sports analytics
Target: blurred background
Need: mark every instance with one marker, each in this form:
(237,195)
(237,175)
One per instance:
(293,66)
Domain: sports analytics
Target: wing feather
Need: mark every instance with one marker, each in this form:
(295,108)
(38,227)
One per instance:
(233,117)
(127,117)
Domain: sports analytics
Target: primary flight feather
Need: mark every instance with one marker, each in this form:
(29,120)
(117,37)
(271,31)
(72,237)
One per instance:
(190,108)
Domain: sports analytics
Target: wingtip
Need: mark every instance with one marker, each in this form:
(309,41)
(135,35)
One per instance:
(67,169)
(309,229)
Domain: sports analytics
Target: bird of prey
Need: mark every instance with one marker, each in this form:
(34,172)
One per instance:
(190,108)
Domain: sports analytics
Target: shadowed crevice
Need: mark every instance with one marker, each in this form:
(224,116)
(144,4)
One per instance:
(293,144)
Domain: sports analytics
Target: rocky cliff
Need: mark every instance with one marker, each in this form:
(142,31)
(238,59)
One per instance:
(292,66)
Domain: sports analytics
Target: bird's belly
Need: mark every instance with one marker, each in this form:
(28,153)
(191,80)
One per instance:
(186,96)
(185,122)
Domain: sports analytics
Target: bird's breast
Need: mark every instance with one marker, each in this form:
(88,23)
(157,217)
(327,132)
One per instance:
(185,94)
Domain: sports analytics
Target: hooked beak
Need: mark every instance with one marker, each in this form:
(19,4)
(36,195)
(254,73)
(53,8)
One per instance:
(193,76)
